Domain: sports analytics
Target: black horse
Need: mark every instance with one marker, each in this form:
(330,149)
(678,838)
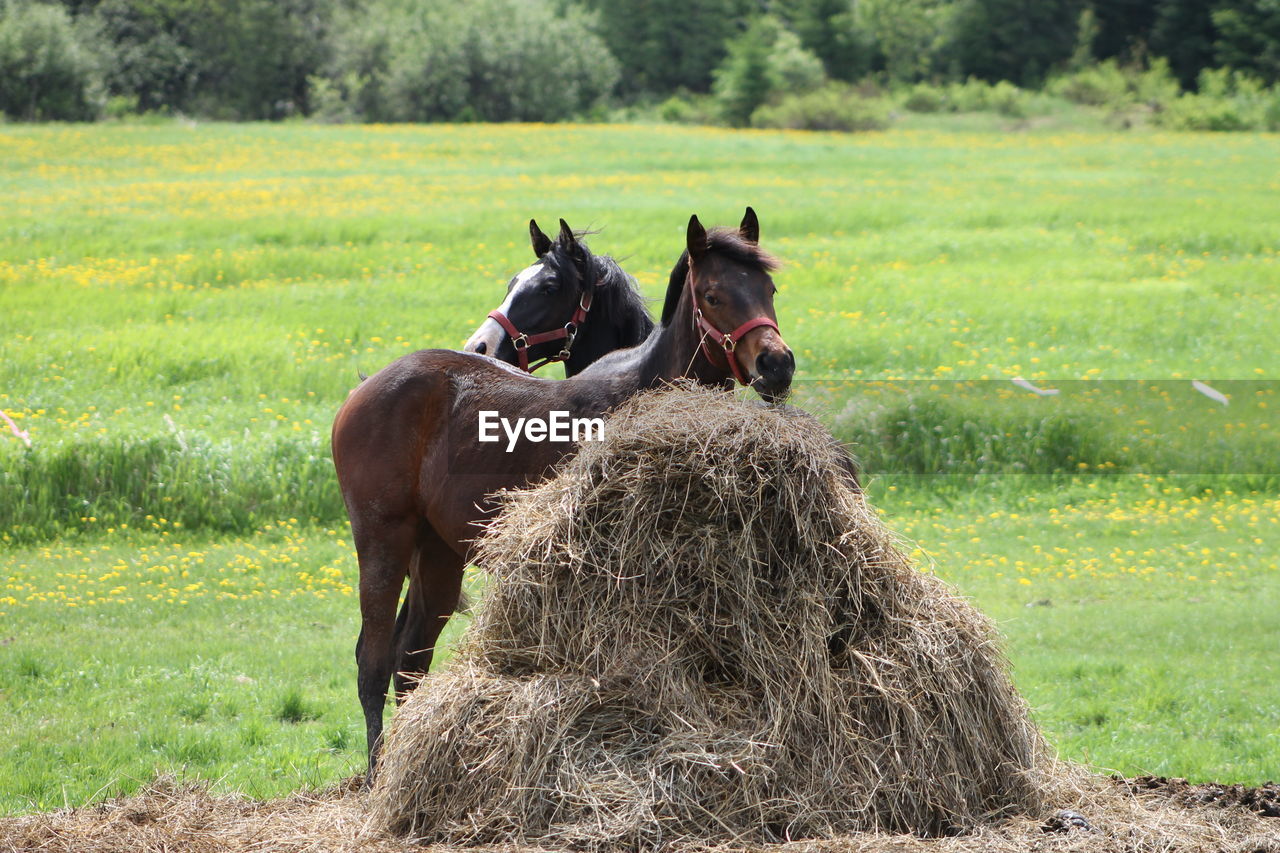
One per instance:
(570,306)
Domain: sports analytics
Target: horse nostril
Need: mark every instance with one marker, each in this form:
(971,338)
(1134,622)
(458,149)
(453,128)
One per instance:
(481,347)
(775,366)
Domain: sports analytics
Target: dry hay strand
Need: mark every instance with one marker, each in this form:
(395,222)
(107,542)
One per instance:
(169,815)
(699,631)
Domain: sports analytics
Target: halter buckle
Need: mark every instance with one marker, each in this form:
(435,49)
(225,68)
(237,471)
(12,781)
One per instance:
(521,342)
(570,332)
(728,343)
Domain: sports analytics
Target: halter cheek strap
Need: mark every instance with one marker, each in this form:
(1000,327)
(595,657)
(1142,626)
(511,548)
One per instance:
(568,332)
(728,341)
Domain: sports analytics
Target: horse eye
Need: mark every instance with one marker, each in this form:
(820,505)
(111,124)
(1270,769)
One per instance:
(712,299)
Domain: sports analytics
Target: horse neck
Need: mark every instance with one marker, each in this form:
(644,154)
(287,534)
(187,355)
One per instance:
(674,351)
(597,338)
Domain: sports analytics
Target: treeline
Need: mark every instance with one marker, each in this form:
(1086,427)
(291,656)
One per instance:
(737,61)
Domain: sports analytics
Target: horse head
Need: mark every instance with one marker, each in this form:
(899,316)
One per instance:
(545,304)
(728,280)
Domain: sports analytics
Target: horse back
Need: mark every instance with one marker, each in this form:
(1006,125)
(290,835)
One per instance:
(406,441)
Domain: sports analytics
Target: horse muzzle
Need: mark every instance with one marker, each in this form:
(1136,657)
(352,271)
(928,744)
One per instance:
(774,369)
(486,339)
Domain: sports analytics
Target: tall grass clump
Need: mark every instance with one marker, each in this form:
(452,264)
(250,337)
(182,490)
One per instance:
(188,480)
(971,431)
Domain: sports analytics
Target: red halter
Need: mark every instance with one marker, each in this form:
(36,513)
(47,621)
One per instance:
(729,340)
(522,342)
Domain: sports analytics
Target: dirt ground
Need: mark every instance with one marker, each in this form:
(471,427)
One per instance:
(1263,800)
(1111,814)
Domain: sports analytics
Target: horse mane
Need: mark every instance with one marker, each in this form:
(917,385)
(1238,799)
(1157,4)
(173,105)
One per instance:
(617,298)
(722,241)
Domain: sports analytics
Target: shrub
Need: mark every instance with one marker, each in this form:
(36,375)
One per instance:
(970,96)
(47,71)
(975,96)
(688,109)
(835,106)
(1097,85)
(924,98)
(1008,100)
(1156,86)
(1203,112)
(1271,109)
(1110,85)
(1227,100)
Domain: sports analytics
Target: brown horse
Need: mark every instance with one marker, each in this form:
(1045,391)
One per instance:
(570,306)
(417,477)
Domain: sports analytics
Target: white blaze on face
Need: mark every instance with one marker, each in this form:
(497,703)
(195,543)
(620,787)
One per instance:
(490,333)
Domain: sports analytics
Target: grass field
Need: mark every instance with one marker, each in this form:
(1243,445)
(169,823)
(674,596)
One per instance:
(183,308)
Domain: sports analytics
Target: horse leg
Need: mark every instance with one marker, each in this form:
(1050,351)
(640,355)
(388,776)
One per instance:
(435,588)
(385,555)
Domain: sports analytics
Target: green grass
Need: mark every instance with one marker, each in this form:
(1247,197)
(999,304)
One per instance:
(1138,621)
(183,309)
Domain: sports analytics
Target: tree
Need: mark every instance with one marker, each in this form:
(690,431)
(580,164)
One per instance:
(149,60)
(829,29)
(742,81)
(906,33)
(46,71)
(1124,27)
(1015,40)
(489,60)
(665,45)
(1184,34)
(240,59)
(763,63)
(253,57)
(1249,37)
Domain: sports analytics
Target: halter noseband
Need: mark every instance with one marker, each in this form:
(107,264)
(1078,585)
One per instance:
(726,340)
(569,332)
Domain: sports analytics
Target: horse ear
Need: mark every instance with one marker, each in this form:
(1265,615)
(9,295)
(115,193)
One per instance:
(576,250)
(696,238)
(541,242)
(750,227)
(566,235)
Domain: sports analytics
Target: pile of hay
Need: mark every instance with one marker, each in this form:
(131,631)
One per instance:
(699,631)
